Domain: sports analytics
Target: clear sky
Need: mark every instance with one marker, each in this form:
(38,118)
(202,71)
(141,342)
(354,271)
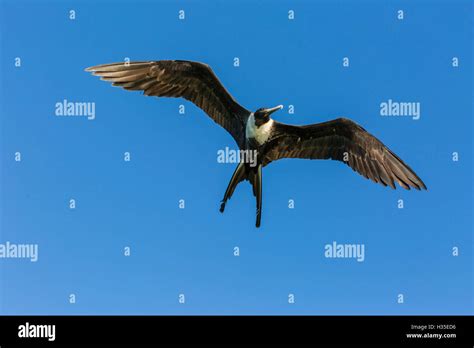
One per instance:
(190,251)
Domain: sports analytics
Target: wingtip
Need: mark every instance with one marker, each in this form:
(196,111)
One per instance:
(422,185)
(417,186)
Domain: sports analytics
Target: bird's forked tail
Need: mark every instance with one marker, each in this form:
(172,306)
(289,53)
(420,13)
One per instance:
(254,176)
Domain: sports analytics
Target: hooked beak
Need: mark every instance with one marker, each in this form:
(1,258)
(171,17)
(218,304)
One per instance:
(270,111)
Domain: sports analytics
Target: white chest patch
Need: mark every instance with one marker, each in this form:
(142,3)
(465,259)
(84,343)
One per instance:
(262,133)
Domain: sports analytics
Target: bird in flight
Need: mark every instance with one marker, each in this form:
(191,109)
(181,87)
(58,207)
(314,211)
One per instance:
(340,139)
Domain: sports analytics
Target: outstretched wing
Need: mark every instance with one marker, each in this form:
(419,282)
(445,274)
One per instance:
(193,81)
(345,141)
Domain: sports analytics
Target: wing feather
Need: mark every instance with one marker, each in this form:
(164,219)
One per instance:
(193,81)
(342,140)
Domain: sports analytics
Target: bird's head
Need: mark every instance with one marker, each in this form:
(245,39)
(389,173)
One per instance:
(262,115)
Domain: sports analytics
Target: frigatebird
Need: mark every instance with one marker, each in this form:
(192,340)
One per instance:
(340,139)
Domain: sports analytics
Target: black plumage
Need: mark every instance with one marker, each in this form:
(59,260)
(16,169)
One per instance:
(193,81)
(340,139)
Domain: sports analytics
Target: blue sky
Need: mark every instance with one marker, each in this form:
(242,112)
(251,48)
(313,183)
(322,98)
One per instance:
(190,251)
